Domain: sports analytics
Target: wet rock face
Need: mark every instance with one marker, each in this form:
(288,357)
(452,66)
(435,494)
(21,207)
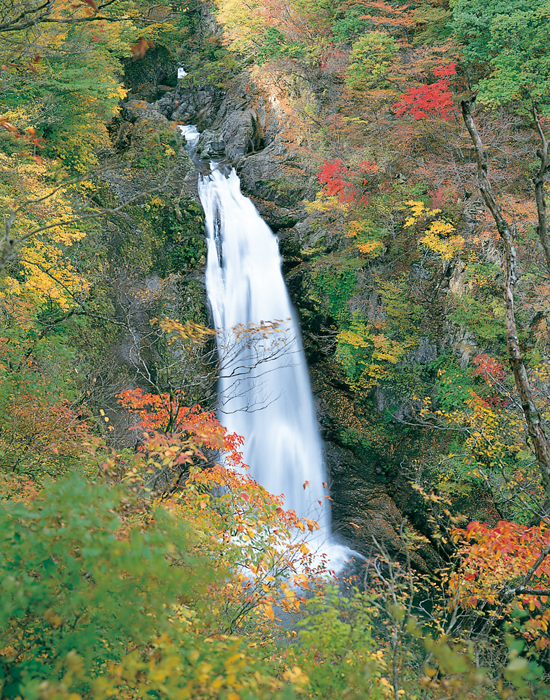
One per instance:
(371,507)
(242,126)
(238,130)
(209,145)
(259,171)
(190,104)
(241,133)
(244,106)
(276,217)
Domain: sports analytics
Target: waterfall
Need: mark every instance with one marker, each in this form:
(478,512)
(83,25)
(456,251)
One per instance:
(191,135)
(265,394)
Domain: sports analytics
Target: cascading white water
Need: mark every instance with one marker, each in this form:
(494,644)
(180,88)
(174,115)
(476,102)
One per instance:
(264,383)
(265,389)
(191,135)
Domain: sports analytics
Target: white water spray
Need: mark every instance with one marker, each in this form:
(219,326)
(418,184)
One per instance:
(264,384)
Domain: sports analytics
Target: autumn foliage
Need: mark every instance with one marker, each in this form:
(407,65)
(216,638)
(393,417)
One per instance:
(344,182)
(496,559)
(150,563)
(434,100)
(166,414)
(253,530)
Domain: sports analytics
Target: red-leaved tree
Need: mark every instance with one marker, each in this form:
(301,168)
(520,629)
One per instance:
(427,101)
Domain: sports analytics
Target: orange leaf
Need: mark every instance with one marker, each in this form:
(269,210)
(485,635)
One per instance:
(140,47)
(10,127)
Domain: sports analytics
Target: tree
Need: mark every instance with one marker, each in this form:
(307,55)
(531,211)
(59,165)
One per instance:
(505,47)
(506,232)
(189,462)
(53,106)
(30,14)
(372,58)
(517,79)
(505,567)
(433,100)
(54,116)
(102,597)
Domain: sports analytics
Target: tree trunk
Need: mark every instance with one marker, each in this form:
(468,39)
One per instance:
(538,182)
(506,231)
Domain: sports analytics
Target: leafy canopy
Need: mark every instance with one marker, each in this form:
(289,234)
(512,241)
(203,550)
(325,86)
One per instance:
(372,58)
(506,42)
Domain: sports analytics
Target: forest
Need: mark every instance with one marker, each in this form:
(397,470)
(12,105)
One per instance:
(399,149)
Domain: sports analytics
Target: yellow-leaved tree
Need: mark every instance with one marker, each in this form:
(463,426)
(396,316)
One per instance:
(438,235)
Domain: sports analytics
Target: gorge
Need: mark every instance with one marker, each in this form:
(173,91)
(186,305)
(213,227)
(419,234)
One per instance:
(365,324)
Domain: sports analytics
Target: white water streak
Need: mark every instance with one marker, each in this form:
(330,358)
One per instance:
(272,407)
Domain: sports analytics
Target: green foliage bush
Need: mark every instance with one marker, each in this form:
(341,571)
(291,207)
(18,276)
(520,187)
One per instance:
(454,384)
(483,316)
(372,57)
(102,597)
(336,646)
(335,282)
(276,46)
(75,587)
(350,26)
(506,41)
(183,226)
(154,148)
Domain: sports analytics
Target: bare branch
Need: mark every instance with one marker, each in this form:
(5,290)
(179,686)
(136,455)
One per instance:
(31,17)
(522,588)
